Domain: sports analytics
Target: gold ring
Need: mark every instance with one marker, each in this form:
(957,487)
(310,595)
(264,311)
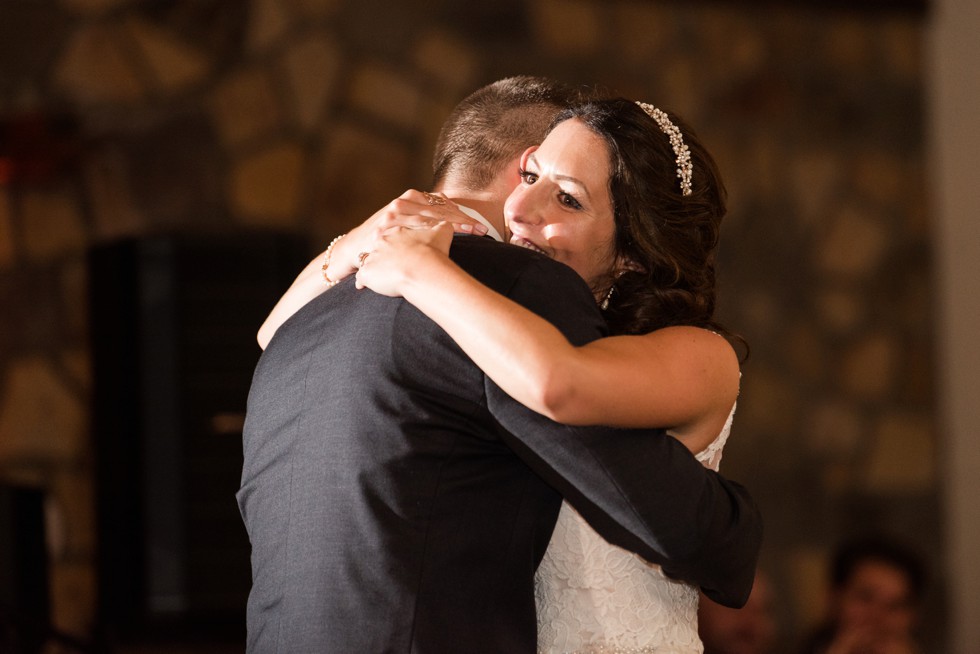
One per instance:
(361,257)
(433,199)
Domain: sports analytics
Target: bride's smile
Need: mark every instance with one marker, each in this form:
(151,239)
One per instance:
(524,243)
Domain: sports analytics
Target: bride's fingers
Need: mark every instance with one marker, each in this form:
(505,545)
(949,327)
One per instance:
(403,214)
(419,207)
(469,228)
(460,224)
(393,230)
(443,236)
(436,198)
(434,225)
(414,216)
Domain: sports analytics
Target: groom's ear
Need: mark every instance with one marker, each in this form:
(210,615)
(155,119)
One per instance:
(527,153)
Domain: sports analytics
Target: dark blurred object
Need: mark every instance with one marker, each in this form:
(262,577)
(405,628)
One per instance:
(25,605)
(36,147)
(751,629)
(173,323)
(891,6)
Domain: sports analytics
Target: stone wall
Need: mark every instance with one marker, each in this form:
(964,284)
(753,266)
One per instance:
(306,115)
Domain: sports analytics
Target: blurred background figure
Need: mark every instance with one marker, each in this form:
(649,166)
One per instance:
(875,592)
(749,630)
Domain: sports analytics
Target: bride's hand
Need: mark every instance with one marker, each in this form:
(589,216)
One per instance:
(404,255)
(412,209)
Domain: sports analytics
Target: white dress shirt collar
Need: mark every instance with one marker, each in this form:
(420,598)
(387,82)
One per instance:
(476,215)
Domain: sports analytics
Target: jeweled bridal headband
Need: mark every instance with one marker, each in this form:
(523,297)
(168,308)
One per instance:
(684,166)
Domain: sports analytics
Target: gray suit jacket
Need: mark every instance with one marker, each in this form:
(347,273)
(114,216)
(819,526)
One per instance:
(397,501)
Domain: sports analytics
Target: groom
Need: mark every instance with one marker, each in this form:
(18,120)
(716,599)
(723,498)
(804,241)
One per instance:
(397,501)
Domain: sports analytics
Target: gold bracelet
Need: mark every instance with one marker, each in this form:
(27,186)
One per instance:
(326,263)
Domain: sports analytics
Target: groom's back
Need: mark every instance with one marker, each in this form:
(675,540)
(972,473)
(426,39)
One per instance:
(384,512)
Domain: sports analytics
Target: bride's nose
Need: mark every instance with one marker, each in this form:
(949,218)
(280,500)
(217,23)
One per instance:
(521,206)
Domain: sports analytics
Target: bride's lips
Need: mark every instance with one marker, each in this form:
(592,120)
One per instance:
(524,243)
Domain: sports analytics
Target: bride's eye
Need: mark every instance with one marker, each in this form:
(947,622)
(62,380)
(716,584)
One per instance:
(526,176)
(569,200)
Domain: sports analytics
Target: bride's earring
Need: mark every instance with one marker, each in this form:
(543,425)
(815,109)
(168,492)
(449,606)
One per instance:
(605,301)
(612,287)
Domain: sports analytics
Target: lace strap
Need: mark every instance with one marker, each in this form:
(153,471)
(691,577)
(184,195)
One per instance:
(710,457)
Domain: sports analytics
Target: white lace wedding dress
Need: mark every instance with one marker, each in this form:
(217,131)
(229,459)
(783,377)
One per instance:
(596,598)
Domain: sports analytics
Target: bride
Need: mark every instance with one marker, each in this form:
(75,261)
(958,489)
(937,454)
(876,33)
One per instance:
(633,203)
(626,196)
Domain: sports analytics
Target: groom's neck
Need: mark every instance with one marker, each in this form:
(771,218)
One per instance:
(489,201)
(488,204)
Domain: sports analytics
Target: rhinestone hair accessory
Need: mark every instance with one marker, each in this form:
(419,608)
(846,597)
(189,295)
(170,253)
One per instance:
(684,166)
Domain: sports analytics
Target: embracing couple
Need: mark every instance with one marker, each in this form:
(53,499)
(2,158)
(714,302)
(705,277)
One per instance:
(408,448)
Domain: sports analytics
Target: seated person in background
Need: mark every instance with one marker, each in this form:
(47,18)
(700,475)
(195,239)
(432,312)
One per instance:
(876,587)
(748,630)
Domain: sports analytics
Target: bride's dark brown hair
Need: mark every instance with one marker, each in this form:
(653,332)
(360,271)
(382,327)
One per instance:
(666,242)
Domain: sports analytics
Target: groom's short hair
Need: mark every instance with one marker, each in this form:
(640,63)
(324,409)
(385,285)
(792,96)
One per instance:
(495,124)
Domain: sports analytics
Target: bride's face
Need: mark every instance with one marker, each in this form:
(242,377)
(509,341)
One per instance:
(563,207)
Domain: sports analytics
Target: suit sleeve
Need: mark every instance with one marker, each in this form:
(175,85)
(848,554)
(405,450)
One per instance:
(639,488)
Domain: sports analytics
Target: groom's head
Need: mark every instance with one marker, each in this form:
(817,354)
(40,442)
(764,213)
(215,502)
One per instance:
(493,126)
